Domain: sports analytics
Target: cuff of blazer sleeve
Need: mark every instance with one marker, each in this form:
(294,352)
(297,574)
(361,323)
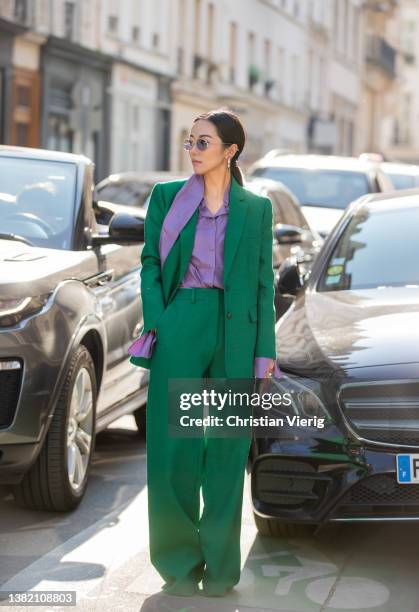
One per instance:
(261,365)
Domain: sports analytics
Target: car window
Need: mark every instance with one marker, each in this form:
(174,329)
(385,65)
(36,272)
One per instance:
(326,188)
(402,181)
(37,200)
(276,206)
(376,249)
(292,212)
(130,193)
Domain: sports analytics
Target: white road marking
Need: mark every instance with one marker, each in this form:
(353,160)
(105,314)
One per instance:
(84,560)
(351,593)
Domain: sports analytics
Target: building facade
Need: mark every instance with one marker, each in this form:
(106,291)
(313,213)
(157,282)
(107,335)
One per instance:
(122,81)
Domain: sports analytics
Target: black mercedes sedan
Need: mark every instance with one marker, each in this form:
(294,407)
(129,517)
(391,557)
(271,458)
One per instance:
(348,347)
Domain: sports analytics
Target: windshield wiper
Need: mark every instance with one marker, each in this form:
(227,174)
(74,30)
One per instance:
(16,237)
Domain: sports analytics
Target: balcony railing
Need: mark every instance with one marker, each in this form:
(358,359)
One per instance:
(380,53)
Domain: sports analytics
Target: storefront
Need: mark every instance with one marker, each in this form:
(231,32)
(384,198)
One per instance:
(8,31)
(76,109)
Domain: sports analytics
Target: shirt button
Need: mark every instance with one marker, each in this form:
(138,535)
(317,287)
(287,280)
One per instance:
(227,287)
(229,315)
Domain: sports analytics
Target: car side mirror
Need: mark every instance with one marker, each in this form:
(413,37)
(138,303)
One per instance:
(289,234)
(123,229)
(289,279)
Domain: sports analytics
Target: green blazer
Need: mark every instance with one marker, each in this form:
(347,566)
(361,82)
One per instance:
(248,273)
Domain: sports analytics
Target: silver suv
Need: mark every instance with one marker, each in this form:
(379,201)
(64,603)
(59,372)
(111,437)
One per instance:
(323,184)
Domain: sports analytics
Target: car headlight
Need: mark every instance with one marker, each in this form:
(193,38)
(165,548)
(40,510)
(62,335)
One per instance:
(300,397)
(14,311)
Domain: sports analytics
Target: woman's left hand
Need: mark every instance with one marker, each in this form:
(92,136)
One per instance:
(270,368)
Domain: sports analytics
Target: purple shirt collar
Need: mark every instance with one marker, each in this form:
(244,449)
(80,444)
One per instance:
(186,201)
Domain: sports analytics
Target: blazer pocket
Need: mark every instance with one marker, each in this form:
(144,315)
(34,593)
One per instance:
(253,313)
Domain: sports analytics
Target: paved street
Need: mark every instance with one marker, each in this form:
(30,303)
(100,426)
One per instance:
(101,551)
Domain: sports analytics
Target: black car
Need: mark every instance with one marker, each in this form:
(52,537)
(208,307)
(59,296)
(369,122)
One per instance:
(293,236)
(132,188)
(349,351)
(69,309)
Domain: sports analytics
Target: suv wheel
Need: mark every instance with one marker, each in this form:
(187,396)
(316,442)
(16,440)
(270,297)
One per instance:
(58,479)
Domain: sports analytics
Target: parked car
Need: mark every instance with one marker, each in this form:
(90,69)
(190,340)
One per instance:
(349,351)
(293,236)
(403,176)
(323,184)
(132,188)
(69,308)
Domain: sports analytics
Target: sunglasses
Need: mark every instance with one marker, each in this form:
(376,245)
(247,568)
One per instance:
(201,144)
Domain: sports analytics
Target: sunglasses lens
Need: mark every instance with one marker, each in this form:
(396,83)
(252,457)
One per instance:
(202,144)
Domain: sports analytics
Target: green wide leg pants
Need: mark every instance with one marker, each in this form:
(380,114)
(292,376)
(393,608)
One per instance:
(184,546)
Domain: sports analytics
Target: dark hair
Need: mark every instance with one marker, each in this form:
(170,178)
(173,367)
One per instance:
(230,129)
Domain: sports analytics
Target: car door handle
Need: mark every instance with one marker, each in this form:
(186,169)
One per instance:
(105,277)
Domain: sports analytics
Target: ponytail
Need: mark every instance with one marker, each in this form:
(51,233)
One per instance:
(236,172)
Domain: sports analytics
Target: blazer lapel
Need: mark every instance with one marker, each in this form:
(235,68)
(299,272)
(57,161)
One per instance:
(235,224)
(238,206)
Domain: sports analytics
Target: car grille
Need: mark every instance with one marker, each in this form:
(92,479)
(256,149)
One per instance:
(10,382)
(379,496)
(387,413)
(288,484)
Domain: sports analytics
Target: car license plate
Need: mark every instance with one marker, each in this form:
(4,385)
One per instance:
(407,469)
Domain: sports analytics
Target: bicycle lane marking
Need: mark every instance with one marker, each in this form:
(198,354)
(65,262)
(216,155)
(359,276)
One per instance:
(83,561)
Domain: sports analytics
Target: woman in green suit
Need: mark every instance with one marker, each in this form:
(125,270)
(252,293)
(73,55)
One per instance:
(207,288)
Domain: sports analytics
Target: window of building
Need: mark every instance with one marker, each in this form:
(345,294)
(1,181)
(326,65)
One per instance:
(253,71)
(69,14)
(181,37)
(197,26)
(180,60)
(22,134)
(408,41)
(135,118)
(23,93)
(113,24)
(210,30)
(232,52)
(295,79)
(21,11)
(135,34)
(280,74)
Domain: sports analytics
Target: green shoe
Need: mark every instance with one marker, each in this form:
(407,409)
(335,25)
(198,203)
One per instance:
(216,590)
(181,589)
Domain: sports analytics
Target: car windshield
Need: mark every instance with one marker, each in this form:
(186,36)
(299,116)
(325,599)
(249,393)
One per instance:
(37,200)
(378,248)
(402,181)
(130,193)
(326,188)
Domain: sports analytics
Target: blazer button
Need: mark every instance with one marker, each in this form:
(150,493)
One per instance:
(229,315)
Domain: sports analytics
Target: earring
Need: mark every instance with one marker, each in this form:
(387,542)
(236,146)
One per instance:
(228,163)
